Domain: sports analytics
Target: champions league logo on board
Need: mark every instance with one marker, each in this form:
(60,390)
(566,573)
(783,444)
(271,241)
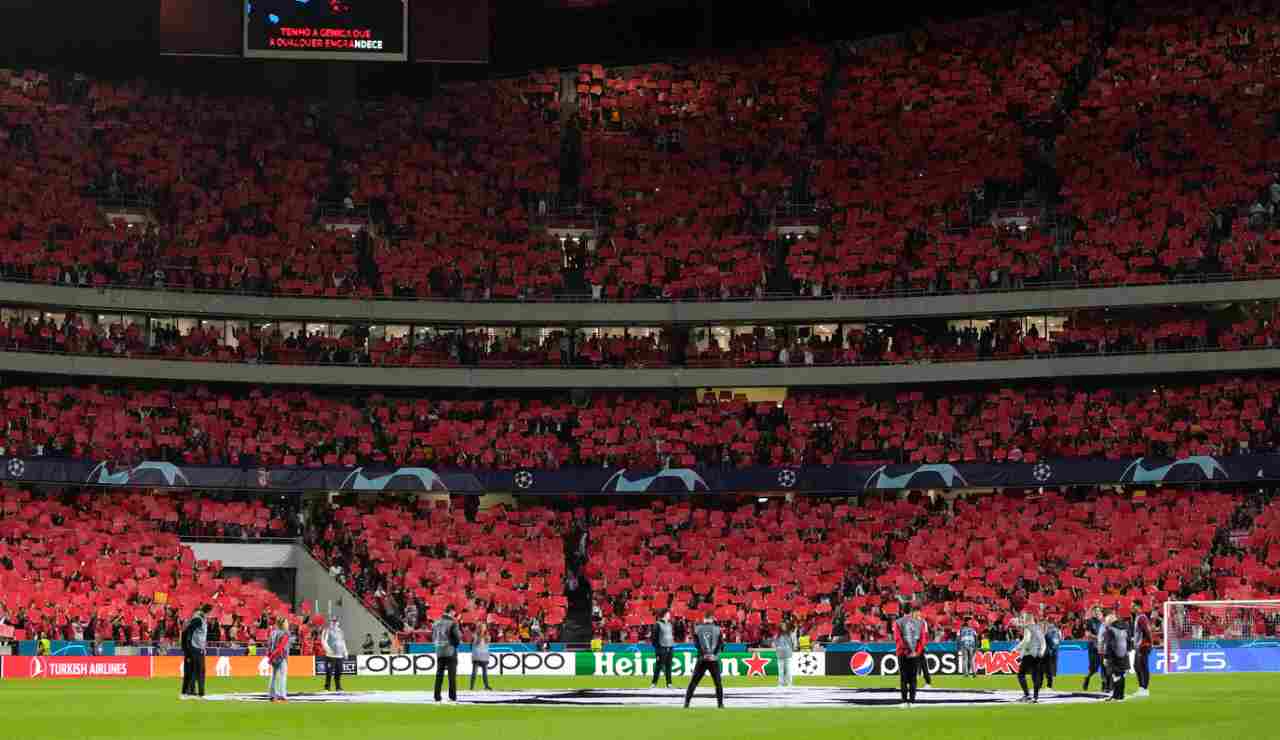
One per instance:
(1179,470)
(670,480)
(143,474)
(402,479)
(922,476)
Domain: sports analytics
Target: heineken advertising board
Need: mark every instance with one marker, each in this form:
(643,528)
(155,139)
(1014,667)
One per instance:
(745,664)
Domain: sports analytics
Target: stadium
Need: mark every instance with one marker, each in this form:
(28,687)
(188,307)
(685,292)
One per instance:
(452,367)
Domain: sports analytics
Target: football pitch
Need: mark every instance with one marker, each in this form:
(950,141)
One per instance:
(1222,707)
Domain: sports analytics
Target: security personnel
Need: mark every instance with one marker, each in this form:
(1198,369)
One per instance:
(1142,635)
(1031,656)
(447,637)
(1052,641)
(710,642)
(909,642)
(194,637)
(1093,628)
(1116,638)
(663,638)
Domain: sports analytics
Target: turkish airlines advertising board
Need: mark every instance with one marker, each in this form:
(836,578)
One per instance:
(70,667)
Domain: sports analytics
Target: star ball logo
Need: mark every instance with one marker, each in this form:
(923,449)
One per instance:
(524,479)
(16,468)
(862,663)
(808,664)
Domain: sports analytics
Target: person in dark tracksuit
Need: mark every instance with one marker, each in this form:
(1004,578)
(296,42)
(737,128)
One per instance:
(1052,641)
(1116,638)
(194,637)
(909,641)
(1144,638)
(710,642)
(1093,628)
(447,637)
(663,638)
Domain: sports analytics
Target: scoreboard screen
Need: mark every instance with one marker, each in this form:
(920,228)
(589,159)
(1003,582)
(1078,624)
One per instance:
(374,30)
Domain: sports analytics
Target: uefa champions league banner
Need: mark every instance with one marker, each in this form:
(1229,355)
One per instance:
(843,479)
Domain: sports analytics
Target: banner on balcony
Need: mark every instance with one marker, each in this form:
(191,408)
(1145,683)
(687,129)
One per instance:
(846,479)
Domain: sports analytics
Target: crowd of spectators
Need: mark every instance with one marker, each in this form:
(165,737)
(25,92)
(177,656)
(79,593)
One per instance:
(97,566)
(408,560)
(198,424)
(902,152)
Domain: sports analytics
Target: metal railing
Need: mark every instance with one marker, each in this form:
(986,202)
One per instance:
(558,298)
(695,363)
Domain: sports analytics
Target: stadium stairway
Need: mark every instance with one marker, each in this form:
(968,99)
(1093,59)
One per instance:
(578,626)
(314,584)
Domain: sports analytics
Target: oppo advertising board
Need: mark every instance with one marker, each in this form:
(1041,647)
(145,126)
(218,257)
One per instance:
(501,664)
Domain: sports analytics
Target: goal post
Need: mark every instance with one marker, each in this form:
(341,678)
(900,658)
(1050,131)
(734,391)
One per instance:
(1186,622)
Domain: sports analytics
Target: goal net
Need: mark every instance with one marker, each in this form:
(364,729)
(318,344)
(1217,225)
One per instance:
(1193,626)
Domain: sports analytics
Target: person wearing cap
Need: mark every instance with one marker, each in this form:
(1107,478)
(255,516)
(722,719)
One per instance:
(194,637)
(334,644)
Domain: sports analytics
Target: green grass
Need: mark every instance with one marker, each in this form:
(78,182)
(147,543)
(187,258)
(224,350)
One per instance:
(1225,707)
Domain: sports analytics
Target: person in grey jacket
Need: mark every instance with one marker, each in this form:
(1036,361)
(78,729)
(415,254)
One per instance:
(194,637)
(785,643)
(447,637)
(663,638)
(710,643)
(1031,652)
(480,656)
(334,644)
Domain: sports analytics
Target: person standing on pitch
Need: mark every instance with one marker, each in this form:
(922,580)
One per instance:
(194,636)
(1052,641)
(278,659)
(447,638)
(1116,637)
(924,658)
(335,652)
(710,643)
(968,641)
(1143,636)
(785,645)
(1092,635)
(663,638)
(480,656)
(909,641)
(1031,653)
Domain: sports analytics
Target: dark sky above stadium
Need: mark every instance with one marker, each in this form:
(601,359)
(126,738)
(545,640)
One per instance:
(524,33)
